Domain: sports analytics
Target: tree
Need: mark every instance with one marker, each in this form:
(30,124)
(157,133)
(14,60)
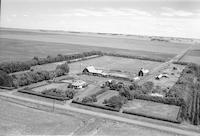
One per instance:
(70,93)
(64,67)
(5,79)
(89,99)
(125,92)
(133,86)
(116,101)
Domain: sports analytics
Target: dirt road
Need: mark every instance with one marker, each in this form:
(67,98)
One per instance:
(162,66)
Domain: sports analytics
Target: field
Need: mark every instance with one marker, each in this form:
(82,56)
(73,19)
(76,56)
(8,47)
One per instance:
(47,67)
(129,66)
(119,129)
(61,86)
(89,90)
(152,109)
(19,120)
(99,41)
(25,45)
(192,56)
(108,94)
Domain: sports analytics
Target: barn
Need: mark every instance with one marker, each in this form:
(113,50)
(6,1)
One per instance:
(91,69)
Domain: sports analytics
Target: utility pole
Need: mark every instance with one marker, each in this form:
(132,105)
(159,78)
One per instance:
(53,104)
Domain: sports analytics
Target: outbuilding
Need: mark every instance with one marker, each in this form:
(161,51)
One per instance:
(91,69)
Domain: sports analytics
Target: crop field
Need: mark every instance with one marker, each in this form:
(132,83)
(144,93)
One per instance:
(19,120)
(24,45)
(152,109)
(192,56)
(121,129)
(129,66)
(99,41)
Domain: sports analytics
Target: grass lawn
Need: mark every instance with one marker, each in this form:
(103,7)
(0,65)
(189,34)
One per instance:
(61,86)
(89,90)
(152,109)
(129,66)
(108,94)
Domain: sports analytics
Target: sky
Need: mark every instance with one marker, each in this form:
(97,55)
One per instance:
(173,18)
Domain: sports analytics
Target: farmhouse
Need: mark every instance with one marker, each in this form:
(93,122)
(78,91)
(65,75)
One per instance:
(79,84)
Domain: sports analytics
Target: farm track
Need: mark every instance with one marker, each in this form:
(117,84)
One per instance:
(103,115)
(162,66)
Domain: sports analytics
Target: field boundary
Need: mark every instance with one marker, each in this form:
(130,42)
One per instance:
(43,95)
(7,88)
(134,57)
(152,117)
(96,106)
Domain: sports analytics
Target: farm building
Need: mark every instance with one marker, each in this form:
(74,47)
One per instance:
(92,70)
(79,84)
(142,72)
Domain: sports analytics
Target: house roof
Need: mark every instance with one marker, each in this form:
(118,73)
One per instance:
(156,94)
(78,83)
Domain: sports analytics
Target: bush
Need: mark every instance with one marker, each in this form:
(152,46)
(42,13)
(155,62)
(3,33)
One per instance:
(64,67)
(30,77)
(5,80)
(187,88)
(59,93)
(70,94)
(134,86)
(165,100)
(115,101)
(147,87)
(89,99)
(125,92)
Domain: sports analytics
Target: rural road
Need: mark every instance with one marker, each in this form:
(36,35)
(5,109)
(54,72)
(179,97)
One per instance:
(13,98)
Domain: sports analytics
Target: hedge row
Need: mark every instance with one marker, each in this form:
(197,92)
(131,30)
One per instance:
(30,77)
(11,67)
(59,93)
(97,106)
(188,88)
(165,100)
(135,57)
(152,117)
(181,63)
(44,95)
